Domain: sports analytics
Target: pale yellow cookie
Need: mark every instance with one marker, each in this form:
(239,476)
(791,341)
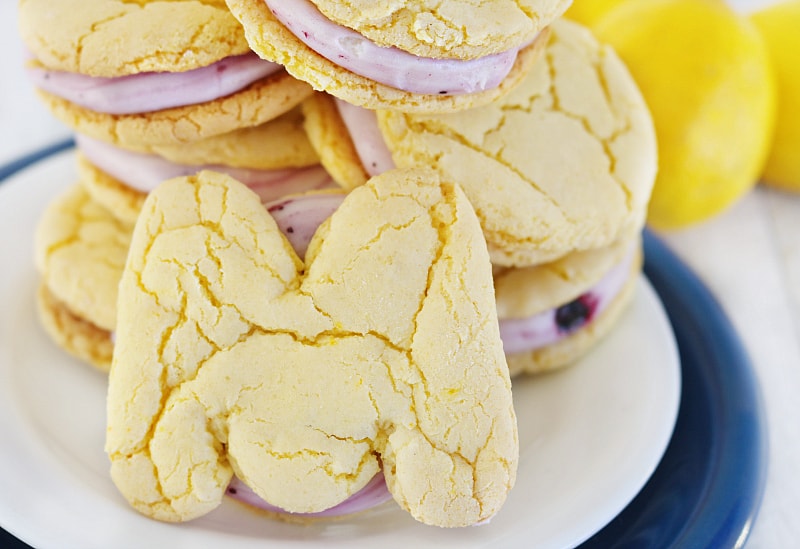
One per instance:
(116,37)
(565,162)
(260,102)
(121,201)
(303,378)
(277,144)
(274,42)
(80,253)
(525,292)
(455,29)
(330,138)
(73,334)
(571,349)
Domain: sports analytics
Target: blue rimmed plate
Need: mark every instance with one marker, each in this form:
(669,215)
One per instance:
(606,451)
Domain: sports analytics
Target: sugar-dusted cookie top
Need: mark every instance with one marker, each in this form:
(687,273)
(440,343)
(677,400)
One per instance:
(300,377)
(565,162)
(116,37)
(460,29)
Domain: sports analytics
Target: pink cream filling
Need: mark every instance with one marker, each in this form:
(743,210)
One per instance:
(362,125)
(390,66)
(153,91)
(371,495)
(144,172)
(546,328)
(298,218)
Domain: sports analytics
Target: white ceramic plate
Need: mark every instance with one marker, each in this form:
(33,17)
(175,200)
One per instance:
(590,436)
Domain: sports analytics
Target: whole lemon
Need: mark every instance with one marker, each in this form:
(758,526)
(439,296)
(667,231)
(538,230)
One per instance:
(705,73)
(589,12)
(779,26)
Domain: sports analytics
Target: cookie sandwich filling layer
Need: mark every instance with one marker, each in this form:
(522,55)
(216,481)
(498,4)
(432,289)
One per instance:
(154,91)
(373,494)
(548,327)
(144,172)
(389,65)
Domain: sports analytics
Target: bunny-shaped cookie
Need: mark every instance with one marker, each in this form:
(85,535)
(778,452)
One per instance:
(305,378)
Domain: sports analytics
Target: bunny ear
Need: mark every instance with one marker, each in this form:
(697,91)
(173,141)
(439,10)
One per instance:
(404,258)
(204,259)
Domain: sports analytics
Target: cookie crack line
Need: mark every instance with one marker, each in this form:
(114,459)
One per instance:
(423,127)
(623,123)
(93,29)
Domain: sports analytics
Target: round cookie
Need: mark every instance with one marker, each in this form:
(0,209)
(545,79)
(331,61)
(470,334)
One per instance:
(80,252)
(279,143)
(552,314)
(111,38)
(89,44)
(273,41)
(565,162)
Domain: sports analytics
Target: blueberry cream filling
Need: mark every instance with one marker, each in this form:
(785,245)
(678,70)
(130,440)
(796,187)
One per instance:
(144,172)
(389,65)
(528,334)
(153,91)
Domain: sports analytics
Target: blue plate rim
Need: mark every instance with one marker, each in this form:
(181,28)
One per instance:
(715,364)
(726,483)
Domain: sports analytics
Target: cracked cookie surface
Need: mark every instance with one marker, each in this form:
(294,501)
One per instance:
(455,29)
(120,37)
(274,42)
(565,162)
(305,378)
(80,253)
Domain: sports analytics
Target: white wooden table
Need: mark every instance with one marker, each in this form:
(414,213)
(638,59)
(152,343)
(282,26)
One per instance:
(749,257)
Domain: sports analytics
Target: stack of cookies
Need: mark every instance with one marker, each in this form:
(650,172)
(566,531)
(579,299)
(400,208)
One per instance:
(313,240)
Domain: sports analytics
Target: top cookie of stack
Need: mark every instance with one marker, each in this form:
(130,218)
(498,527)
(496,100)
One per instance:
(419,56)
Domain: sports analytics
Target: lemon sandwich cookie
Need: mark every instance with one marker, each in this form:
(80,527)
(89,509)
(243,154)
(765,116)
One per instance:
(274,159)
(143,73)
(552,314)
(564,163)
(378,353)
(417,56)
